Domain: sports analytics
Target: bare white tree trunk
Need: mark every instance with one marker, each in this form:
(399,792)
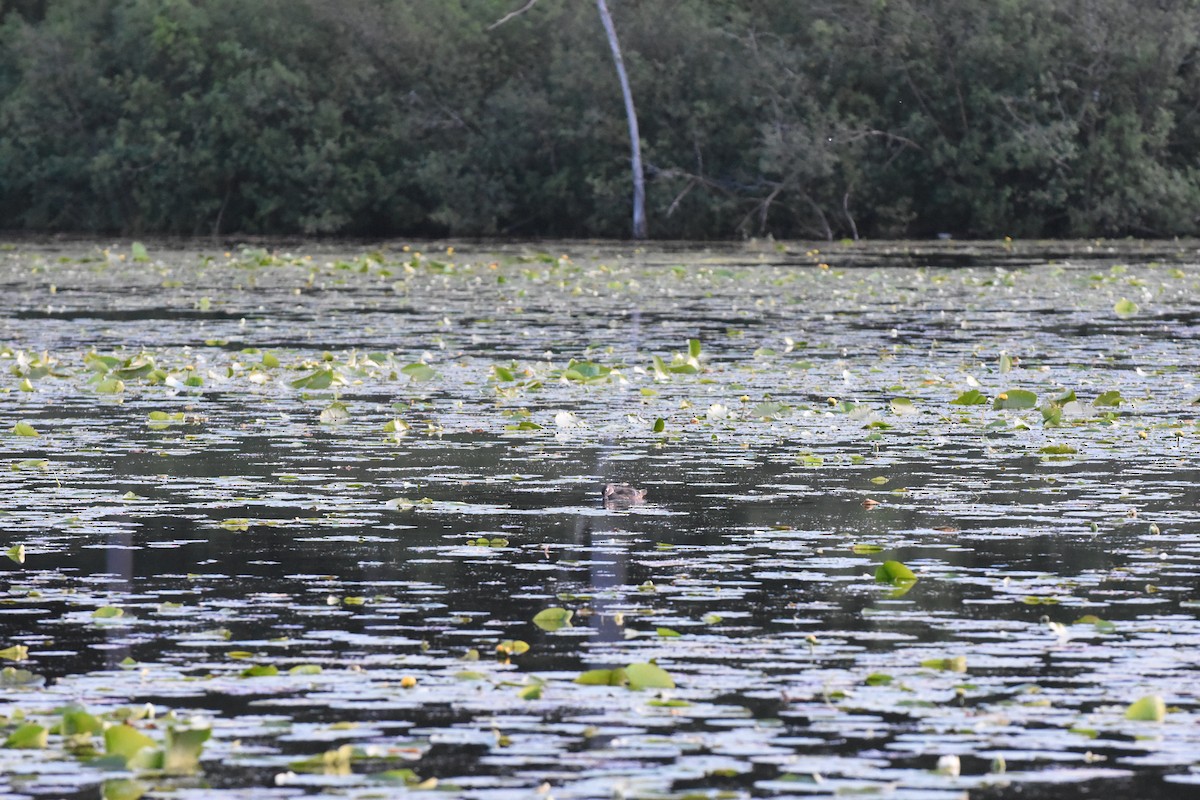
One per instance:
(635,142)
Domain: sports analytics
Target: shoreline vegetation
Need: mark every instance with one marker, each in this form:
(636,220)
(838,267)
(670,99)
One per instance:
(830,120)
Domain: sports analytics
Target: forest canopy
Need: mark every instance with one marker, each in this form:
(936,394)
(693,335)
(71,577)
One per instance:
(821,119)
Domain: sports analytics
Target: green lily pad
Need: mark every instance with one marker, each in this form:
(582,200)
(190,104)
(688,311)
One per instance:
(894,573)
(553,619)
(24,429)
(1125,308)
(126,742)
(1151,708)
(181,751)
(648,676)
(1015,399)
(28,737)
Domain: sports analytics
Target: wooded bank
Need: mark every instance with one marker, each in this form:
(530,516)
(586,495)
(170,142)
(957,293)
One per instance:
(829,118)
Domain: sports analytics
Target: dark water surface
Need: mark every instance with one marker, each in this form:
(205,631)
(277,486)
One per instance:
(364,470)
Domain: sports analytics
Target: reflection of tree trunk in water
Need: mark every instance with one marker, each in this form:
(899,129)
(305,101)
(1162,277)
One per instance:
(605,582)
(635,144)
(118,563)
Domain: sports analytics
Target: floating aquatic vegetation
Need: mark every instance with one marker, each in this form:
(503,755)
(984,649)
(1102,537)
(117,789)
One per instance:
(300,494)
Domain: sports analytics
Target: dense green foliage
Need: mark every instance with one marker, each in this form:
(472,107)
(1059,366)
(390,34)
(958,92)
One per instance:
(828,118)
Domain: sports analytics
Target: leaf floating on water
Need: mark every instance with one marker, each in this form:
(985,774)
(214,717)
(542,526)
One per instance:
(396,426)
(126,742)
(419,371)
(648,676)
(404,504)
(633,676)
(138,252)
(1109,399)
(768,410)
(235,524)
(971,397)
(553,619)
(305,669)
(1101,625)
(406,777)
(1015,398)
(1058,450)
(660,425)
(951,664)
(16,553)
(108,612)
(532,692)
(110,386)
(1125,308)
(512,647)
(16,652)
(585,372)
(1052,415)
(122,789)
(24,429)
(1151,708)
(12,676)
(28,737)
(894,572)
(181,750)
(335,413)
(260,671)
(320,379)
(667,633)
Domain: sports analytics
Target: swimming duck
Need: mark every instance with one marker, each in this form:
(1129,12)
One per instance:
(622,495)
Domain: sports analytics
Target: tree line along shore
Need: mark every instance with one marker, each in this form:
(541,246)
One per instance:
(823,119)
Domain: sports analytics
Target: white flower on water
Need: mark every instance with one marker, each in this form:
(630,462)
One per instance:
(949,765)
(567,419)
(718,411)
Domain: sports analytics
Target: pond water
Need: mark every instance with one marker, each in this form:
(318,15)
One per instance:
(920,521)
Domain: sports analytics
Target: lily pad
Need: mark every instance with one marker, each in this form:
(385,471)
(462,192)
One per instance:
(553,619)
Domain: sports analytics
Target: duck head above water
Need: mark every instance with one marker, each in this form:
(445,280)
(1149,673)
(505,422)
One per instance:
(622,495)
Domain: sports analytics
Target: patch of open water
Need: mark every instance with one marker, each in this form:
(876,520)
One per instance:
(309,505)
